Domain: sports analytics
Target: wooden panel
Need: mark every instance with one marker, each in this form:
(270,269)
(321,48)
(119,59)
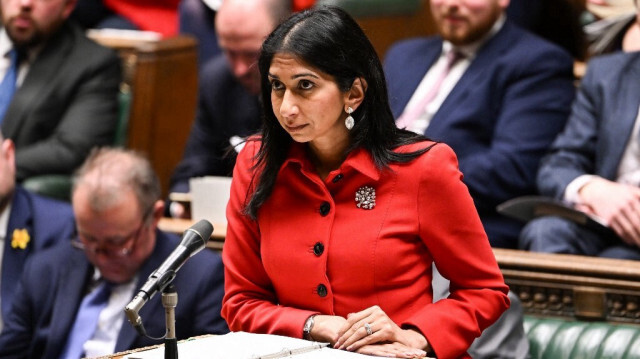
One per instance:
(383,31)
(571,286)
(162,76)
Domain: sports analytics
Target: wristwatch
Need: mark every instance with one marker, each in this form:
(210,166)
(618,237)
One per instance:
(308,325)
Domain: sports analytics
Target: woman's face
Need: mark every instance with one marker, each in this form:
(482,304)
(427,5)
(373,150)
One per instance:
(307,102)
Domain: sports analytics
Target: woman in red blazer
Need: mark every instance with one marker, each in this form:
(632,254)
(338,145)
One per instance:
(336,216)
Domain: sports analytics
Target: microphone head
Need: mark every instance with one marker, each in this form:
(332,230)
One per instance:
(195,238)
(203,228)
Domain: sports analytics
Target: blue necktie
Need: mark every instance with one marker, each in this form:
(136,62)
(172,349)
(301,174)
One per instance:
(86,320)
(8,84)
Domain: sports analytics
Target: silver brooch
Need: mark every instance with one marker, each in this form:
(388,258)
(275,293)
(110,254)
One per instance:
(366,197)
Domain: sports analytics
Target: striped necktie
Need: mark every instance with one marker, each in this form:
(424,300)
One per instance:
(86,320)
(411,114)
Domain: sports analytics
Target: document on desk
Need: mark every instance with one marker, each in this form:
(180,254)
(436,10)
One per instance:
(241,345)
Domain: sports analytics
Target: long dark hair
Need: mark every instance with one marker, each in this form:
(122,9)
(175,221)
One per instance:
(328,39)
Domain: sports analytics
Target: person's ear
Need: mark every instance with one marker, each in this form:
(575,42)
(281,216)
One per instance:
(8,151)
(68,8)
(158,211)
(356,93)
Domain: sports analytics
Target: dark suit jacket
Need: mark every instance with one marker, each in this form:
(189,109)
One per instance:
(67,104)
(52,288)
(600,124)
(500,118)
(225,109)
(47,221)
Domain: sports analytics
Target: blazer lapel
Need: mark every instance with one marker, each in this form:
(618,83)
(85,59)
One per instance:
(417,66)
(14,258)
(625,113)
(128,336)
(487,54)
(66,300)
(36,82)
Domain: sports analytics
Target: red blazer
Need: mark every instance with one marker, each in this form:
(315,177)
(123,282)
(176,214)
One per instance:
(312,250)
(151,15)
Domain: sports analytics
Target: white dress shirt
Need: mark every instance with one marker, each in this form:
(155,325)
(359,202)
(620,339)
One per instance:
(110,320)
(5,46)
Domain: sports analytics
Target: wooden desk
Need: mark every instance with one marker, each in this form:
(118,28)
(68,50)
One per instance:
(121,355)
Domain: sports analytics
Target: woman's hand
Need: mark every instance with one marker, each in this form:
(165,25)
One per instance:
(391,350)
(326,327)
(382,330)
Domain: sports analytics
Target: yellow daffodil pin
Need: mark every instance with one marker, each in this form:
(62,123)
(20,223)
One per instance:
(20,239)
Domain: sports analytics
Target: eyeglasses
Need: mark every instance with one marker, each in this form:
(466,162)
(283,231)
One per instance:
(117,247)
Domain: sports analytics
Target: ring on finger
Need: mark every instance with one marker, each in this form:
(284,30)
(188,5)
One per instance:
(367,327)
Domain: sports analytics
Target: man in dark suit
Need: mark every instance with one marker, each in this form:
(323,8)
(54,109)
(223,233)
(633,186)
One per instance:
(595,164)
(499,106)
(228,107)
(28,224)
(66,97)
(117,208)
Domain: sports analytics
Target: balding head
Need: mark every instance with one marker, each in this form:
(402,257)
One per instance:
(108,172)
(116,204)
(242,26)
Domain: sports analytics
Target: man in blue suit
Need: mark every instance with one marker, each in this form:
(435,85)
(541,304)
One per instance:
(117,246)
(28,224)
(595,164)
(499,106)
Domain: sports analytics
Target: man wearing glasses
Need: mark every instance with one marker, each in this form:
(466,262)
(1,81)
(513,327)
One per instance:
(116,201)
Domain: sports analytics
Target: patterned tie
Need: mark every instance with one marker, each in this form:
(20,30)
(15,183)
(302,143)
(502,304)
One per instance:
(408,116)
(8,84)
(86,320)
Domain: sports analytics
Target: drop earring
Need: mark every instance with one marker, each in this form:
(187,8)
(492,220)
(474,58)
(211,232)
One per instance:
(349,121)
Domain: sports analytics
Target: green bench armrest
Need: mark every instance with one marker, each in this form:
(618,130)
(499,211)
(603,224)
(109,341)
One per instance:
(55,186)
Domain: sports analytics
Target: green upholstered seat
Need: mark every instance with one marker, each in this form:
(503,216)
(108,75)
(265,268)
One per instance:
(563,339)
(363,8)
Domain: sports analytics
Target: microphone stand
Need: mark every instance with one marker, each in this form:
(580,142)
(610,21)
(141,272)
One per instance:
(169,302)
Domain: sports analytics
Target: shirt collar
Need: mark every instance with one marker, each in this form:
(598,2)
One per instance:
(358,159)
(470,50)
(5,43)
(4,220)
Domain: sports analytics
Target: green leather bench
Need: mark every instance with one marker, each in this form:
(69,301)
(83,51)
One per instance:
(565,339)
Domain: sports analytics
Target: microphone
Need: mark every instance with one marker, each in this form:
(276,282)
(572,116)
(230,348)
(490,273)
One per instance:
(193,241)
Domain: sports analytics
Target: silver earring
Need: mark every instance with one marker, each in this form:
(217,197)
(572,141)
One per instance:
(349,121)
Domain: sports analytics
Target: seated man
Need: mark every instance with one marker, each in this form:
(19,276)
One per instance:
(504,95)
(595,164)
(116,201)
(59,93)
(28,224)
(228,107)
(614,34)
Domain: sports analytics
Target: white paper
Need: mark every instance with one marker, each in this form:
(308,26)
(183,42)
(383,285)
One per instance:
(241,345)
(209,197)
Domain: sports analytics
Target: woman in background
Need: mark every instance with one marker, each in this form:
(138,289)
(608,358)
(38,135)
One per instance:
(336,215)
